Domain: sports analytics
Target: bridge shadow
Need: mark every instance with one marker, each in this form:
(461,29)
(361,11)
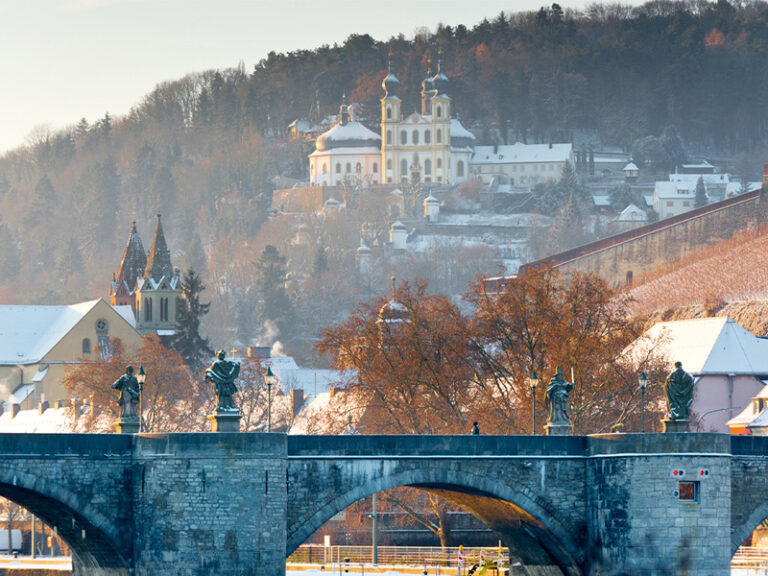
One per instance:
(533,531)
(77,522)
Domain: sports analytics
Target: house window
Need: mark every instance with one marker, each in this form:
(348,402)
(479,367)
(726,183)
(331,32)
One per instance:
(427,166)
(349,167)
(460,168)
(389,137)
(86,345)
(403,167)
(375,168)
(439,136)
(358,168)
(670,203)
(688,491)
(338,167)
(439,162)
(686,203)
(439,111)
(403,137)
(427,137)
(389,112)
(389,163)
(415,136)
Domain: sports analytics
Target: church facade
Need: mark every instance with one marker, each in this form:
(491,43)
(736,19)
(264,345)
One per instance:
(429,147)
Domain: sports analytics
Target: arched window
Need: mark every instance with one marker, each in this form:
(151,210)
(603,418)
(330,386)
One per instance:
(460,168)
(163,309)
(389,163)
(86,345)
(439,136)
(415,136)
(147,310)
(403,167)
(375,167)
(439,111)
(349,167)
(389,137)
(439,162)
(338,167)
(325,168)
(312,169)
(427,166)
(403,137)
(389,112)
(358,168)
(427,137)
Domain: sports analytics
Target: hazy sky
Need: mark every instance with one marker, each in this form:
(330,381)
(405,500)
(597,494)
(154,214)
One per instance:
(61,60)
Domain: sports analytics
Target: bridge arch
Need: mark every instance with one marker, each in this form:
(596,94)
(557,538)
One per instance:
(93,537)
(555,534)
(742,531)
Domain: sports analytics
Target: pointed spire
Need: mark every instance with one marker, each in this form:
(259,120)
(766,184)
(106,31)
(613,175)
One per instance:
(343,109)
(159,260)
(134,261)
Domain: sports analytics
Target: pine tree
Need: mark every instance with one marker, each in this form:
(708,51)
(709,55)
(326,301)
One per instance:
(270,288)
(701,193)
(195,256)
(189,312)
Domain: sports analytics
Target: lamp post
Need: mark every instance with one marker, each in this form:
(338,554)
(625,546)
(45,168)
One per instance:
(269,378)
(643,381)
(533,382)
(141,377)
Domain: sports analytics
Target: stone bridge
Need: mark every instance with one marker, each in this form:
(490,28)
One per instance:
(238,504)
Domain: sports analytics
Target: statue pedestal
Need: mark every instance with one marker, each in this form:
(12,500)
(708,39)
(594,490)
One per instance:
(225,421)
(673,426)
(127,426)
(558,429)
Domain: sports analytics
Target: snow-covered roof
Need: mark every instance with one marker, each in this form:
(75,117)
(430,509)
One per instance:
(675,190)
(631,166)
(601,200)
(522,153)
(349,134)
(458,130)
(52,421)
(127,313)
(632,214)
(710,346)
(692,179)
(28,333)
(310,380)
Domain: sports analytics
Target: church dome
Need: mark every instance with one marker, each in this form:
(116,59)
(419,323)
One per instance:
(394,312)
(391,85)
(426,84)
(440,82)
(350,135)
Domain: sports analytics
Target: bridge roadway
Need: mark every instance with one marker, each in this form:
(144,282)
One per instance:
(237,504)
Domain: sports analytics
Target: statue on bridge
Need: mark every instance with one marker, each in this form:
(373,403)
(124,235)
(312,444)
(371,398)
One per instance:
(128,386)
(222,374)
(679,390)
(558,392)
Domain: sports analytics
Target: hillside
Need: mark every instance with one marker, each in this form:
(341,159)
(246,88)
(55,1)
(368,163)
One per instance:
(203,149)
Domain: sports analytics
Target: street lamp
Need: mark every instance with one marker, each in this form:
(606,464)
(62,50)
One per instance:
(533,381)
(141,377)
(643,381)
(269,378)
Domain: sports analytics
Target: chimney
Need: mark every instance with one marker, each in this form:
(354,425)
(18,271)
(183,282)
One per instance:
(15,408)
(297,401)
(42,407)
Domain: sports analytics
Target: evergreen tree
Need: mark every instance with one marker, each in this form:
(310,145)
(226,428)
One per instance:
(189,312)
(701,193)
(195,256)
(70,258)
(10,259)
(270,288)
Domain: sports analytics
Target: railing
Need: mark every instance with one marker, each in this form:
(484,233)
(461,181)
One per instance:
(395,555)
(749,557)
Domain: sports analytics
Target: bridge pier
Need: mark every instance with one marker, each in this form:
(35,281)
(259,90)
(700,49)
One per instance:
(210,504)
(659,504)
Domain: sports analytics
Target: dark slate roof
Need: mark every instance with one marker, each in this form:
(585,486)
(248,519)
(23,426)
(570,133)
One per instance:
(133,263)
(159,259)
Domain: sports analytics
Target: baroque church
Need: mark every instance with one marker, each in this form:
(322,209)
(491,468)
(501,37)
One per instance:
(148,283)
(430,147)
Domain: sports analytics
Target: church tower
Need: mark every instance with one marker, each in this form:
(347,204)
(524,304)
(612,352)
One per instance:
(390,121)
(122,291)
(158,289)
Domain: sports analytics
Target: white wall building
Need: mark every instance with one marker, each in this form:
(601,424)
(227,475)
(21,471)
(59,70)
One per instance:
(520,164)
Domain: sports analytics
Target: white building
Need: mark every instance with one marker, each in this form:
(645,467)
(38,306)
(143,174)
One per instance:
(673,198)
(427,147)
(520,164)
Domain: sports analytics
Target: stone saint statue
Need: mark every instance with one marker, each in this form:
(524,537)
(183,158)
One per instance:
(222,374)
(558,392)
(679,389)
(129,394)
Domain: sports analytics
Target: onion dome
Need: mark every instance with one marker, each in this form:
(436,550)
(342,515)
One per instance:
(440,81)
(348,135)
(391,85)
(431,201)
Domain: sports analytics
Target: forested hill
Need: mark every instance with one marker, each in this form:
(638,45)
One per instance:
(202,149)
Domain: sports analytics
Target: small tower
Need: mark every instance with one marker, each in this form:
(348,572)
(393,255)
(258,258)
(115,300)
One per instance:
(363,258)
(158,290)
(431,209)
(122,291)
(390,121)
(398,236)
(427,92)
